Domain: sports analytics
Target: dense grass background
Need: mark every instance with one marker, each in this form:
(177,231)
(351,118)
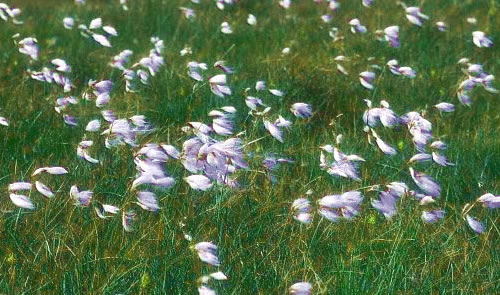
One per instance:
(60,248)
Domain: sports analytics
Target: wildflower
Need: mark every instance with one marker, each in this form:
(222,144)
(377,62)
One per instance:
(222,123)
(342,70)
(81,198)
(326,18)
(425,200)
(81,151)
(386,204)
(282,122)
(218,87)
(188,13)
(204,290)
(108,116)
(415,15)
(147,201)
(171,151)
(6,12)
(367,3)
(490,201)
(61,65)
(101,39)
(302,207)
(151,167)
(407,72)
(225,28)
(301,110)
(68,23)
(221,64)
(253,102)
(420,157)
(274,130)
(285,3)
(19,186)
(121,130)
(128,217)
(474,224)
(439,145)
(345,205)
(50,170)
(356,26)
(96,23)
(440,159)
(21,201)
(397,188)
(445,107)
(397,70)
(333,5)
(366,78)
(260,85)
(219,276)
(93,126)
(300,288)
(426,183)
(123,3)
(432,216)
(110,30)
(4,121)
(121,59)
(198,182)
(276,92)
(480,40)
(419,128)
(251,20)
(442,27)
(207,251)
(43,189)
(392,35)
(385,115)
(29,47)
(464,98)
(342,166)
(383,146)
(102,209)
(186,51)
(472,20)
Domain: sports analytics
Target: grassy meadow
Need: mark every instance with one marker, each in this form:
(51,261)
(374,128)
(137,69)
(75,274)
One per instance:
(60,248)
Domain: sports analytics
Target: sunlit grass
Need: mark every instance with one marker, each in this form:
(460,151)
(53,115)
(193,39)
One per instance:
(60,248)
